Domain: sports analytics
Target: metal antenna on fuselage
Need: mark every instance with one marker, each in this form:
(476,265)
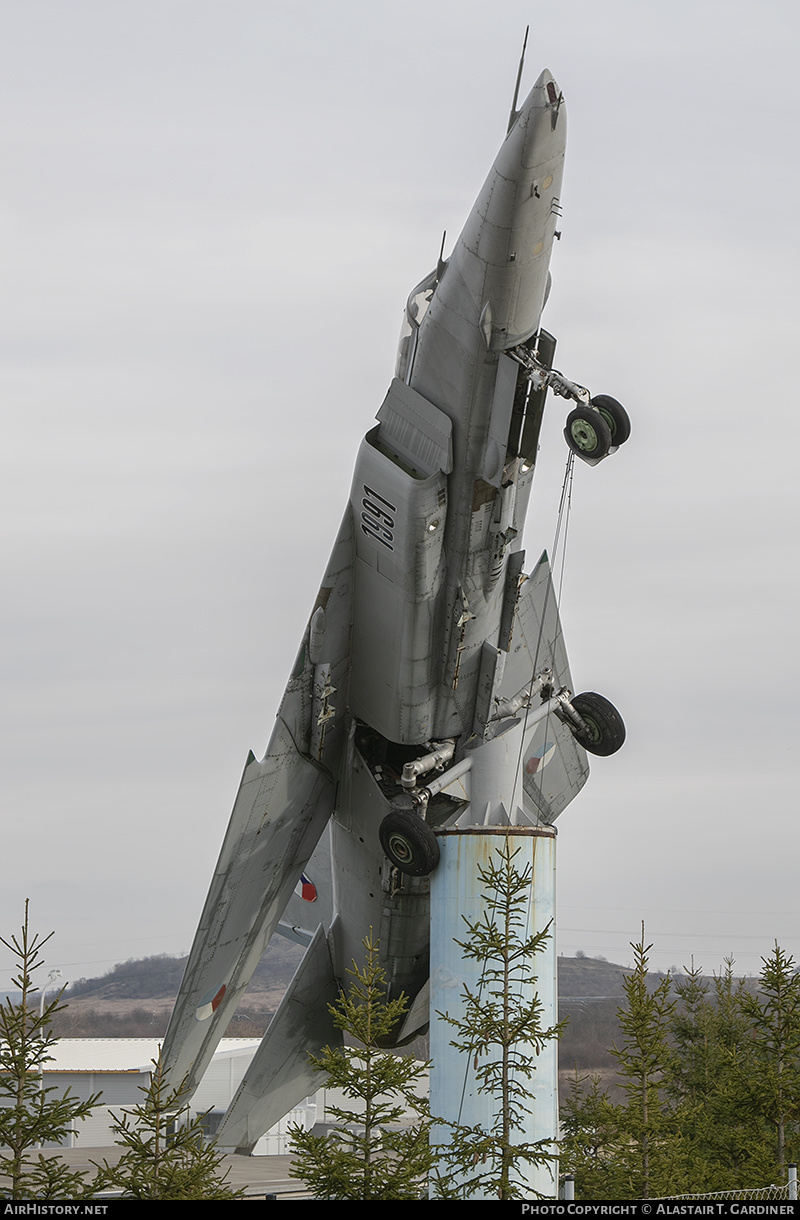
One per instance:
(514,112)
(442,261)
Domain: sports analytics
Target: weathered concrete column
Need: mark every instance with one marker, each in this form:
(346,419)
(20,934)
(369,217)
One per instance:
(456,892)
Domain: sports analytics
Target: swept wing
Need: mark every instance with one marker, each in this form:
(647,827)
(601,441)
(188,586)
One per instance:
(282,807)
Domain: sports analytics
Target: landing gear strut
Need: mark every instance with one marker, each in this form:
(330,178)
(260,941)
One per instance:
(596,426)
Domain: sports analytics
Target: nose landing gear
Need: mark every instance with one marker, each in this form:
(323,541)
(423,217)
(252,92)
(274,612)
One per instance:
(596,426)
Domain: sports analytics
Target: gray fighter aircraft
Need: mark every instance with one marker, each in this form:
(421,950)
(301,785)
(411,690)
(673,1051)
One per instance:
(432,686)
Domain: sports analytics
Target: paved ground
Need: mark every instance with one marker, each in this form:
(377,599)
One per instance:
(257,1175)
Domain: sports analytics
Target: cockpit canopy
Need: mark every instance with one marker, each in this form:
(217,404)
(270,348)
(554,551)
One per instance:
(416,308)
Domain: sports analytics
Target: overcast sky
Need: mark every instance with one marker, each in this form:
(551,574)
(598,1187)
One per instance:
(210,217)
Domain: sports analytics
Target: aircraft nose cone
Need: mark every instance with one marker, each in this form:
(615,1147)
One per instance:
(545,95)
(547,82)
(540,115)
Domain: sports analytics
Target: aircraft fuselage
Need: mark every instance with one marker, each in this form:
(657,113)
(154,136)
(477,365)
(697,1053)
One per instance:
(438,499)
(432,686)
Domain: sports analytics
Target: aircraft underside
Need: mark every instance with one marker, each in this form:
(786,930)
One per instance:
(432,687)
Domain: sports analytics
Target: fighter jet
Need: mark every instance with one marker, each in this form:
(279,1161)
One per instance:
(432,687)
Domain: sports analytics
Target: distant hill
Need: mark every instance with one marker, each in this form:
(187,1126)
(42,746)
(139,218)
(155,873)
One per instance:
(159,977)
(590,993)
(590,976)
(135,998)
(590,979)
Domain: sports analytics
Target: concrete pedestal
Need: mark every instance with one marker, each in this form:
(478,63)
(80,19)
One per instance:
(456,892)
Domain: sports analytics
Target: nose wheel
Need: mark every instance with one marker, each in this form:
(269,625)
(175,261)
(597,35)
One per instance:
(615,416)
(587,433)
(596,428)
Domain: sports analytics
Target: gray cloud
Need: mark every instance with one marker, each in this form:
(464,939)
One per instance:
(209,223)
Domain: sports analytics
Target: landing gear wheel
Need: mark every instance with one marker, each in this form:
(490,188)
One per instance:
(606,731)
(587,433)
(615,416)
(409,843)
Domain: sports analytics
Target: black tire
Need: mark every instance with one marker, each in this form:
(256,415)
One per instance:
(615,416)
(409,843)
(587,433)
(606,728)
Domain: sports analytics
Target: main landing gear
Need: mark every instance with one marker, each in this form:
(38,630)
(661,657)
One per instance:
(594,721)
(405,835)
(409,843)
(602,730)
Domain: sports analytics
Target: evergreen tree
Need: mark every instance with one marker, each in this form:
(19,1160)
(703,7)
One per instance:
(502,1029)
(589,1144)
(713,1062)
(712,1078)
(773,1091)
(693,1037)
(651,1153)
(166,1155)
(371,1156)
(31,1114)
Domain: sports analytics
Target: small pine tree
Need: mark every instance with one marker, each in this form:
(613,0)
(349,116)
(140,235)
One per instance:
(774,1015)
(693,1038)
(166,1155)
(651,1153)
(711,1070)
(589,1139)
(713,1087)
(370,1156)
(502,1031)
(31,1114)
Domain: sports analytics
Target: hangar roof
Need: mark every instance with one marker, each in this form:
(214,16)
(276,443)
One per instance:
(124,1054)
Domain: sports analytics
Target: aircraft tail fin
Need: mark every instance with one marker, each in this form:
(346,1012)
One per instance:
(281,1075)
(554,766)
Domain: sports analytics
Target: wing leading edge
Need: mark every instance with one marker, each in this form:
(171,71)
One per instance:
(282,807)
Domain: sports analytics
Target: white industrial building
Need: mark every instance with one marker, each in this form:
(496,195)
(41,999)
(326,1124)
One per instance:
(119,1068)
